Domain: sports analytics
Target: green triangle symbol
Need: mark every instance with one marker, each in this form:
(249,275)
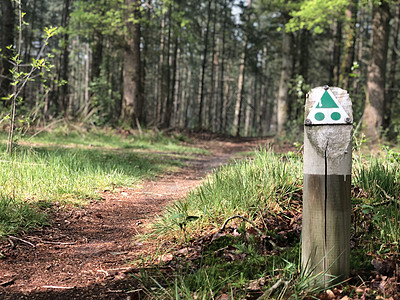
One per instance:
(327,101)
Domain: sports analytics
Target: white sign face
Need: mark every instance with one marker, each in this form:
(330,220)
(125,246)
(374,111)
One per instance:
(327,110)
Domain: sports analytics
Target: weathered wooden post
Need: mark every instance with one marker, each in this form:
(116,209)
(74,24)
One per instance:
(327,182)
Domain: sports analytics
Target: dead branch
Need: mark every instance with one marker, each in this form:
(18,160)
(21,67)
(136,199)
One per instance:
(21,240)
(272,289)
(244,219)
(57,287)
(389,199)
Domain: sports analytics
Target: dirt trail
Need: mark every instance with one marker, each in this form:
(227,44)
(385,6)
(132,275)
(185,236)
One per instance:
(87,252)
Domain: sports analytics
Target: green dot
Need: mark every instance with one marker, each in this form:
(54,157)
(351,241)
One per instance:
(335,116)
(319,116)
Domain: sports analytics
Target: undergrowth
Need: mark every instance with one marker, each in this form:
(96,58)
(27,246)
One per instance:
(251,188)
(266,191)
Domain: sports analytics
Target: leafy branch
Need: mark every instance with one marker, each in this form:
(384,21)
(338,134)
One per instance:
(20,79)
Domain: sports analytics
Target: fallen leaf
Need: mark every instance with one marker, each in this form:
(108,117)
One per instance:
(330,294)
(166,258)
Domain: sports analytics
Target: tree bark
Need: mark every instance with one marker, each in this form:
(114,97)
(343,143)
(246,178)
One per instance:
(391,95)
(63,91)
(132,91)
(222,109)
(203,68)
(286,74)
(374,108)
(240,93)
(6,40)
(335,49)
(239,96)
(350,29)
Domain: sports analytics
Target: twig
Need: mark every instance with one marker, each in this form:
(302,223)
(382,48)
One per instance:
(59,243)
(43,129)
(58,287)
(7,282)
(11,243)
(390,199)
(244,219)
(104,272)
(21,240)
(272,289)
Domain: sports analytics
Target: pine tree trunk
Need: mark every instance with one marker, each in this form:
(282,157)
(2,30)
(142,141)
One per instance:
(212,98)
(63,92)
(239,96)
(391,95)
(6,39)
(349,49)
(161,92)
(222,127)
(335,49)
(131,68)
(203,68)
(283,92)
(374,108)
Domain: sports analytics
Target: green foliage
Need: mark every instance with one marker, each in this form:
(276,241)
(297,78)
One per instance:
(316,14)
(21,76)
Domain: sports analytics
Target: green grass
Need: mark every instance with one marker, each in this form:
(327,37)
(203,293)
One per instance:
(262,189)
(72,167)
(378,200)
(252,188)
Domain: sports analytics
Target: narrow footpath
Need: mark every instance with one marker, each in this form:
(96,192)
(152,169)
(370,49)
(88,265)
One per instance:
(90,252)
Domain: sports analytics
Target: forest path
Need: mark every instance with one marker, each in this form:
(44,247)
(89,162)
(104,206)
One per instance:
(88,252)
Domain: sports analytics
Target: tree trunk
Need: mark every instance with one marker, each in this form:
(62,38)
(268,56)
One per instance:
(167,102)
(160,98)
(391,95)
(335,46)
(131,69)
(203,68)
(63,92)
(240,93)
(349,49)
(283,92)
(170,82)
(6,39)
(374,108)
(239,96)
(213,83)
(222,126)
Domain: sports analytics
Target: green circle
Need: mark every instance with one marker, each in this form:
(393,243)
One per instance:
(335,116)
(319,116)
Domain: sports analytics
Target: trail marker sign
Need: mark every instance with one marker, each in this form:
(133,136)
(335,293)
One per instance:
(327,160)
(327,110)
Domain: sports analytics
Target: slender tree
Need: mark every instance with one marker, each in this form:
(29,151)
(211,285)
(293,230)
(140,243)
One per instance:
(374,107)
(6,42)
(132,89)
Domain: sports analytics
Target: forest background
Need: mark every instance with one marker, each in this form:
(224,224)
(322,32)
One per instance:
(225,66)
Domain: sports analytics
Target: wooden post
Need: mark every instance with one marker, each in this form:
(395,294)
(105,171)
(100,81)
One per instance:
(327,182)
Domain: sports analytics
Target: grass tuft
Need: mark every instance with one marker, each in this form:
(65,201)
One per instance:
(251,188)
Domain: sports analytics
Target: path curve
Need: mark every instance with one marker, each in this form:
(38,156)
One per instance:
(87,252)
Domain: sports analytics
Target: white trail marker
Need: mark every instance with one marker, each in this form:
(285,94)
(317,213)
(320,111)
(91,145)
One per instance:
(327,184)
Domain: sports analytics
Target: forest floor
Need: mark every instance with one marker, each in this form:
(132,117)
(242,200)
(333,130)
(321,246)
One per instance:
(90,252)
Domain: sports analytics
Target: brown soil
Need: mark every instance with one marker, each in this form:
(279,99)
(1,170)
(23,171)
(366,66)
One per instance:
(89,252)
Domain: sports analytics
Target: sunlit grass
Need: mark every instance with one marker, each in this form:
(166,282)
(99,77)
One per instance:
(251,188)
(259,188)
(73,167)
